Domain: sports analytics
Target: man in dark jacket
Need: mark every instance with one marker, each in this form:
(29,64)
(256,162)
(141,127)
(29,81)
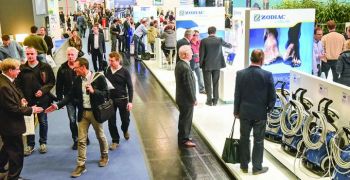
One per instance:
(88,91)
(186,40)
(65,78)
(185,95)
(48,40)
(13,109)
(343,67)
(211,61)
(255,96)
(35,81)
(96,47)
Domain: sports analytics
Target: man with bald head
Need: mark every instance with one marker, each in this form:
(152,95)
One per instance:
(255,96)
(185,95)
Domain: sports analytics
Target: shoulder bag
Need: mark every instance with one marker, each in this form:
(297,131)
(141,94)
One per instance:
(105,110)
(230,153)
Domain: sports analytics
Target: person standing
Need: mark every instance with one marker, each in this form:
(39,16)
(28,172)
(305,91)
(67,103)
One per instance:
(121,36)
(89,91)
(195,42)
(13,109)
(96,47)
(255,96)
(152,34)
(48,40)
(114,34)
(186,40)
(185,95)
(75,41)
(343,66)
(127,34)
(33,40)
(122,96)
(318,54)
(35,80)
(140,32)
(333,45)
(11,49)
(211,61)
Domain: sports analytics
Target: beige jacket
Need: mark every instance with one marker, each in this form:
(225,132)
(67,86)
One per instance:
(333,45)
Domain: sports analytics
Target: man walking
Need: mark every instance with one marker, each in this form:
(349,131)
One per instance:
(96,47)
(89,91)
(211,61)
(254,97)
(185,95)
(334,44)
(13,109)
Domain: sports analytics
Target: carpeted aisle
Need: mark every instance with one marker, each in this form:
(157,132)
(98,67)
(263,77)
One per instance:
(127,162)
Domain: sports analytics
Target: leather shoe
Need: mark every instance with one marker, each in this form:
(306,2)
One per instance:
(208,103)
(263,170)
(244,170)
(202,92)
(189,144)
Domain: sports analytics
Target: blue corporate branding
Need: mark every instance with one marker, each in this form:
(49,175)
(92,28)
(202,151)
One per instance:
(260,17)
(183,13)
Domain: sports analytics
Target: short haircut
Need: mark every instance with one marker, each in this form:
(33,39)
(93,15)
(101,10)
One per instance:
(31,47)
(5,37)
(117,56)
(257,56)
(115,20)
(151,24)
(188,32)
(33,29)
(75,50)
(211,30)
(183,50)
(331,24)
(8,64)
(196,31)
(317,29)
(83,62)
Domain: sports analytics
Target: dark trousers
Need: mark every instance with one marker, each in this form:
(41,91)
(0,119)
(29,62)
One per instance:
(12,152)
(139,46)
(121,43)
(211,77)
(258,127)
(185,123)
(330,64)
(127,44)
(124,117)
(152,47)
(72,116)
(43,128)
(113,43)
(96,55)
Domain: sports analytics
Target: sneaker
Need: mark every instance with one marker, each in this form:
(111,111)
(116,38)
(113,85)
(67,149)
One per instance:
(75,146)
(43,149)
(263,170)
(113,146)
(103,161)
(28,150)
(78,171)
(127,135)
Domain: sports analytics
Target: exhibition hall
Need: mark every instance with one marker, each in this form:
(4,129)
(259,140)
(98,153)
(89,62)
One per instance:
(175,89)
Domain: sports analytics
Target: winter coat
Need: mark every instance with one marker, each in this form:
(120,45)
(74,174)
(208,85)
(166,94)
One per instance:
(169,37)
(343,68)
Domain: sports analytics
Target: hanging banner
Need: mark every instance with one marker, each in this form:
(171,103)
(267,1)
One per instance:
(200,18)
(54,20)
(286,37)
(140,12)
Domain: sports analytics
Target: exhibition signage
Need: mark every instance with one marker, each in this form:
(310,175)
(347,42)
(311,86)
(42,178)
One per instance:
(144,12)
(286,37)
(54,20)
(200,18)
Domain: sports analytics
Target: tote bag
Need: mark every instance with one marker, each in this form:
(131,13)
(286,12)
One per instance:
(230,153)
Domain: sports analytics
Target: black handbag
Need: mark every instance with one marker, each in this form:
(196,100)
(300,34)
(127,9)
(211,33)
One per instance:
(105,111)
(81,53)
(230,153)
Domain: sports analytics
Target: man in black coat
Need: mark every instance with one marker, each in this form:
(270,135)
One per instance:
(88,91)
(35,80)
(96,47)
(185,95)
(13,109)
(255,96)
(186,40)
(211,60)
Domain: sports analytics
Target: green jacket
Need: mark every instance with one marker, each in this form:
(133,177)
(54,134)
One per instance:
(37,42)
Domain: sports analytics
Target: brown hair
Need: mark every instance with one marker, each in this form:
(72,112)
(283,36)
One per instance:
(83,62)
(331,24)
(8,64)
(257,56)
(117,56)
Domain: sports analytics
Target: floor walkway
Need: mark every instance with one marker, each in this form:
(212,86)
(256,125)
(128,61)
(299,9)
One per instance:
(151,153)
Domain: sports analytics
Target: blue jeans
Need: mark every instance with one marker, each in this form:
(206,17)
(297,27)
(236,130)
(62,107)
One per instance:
(258,127)
(43,128)
(198,72)
(72,115)
(139,46)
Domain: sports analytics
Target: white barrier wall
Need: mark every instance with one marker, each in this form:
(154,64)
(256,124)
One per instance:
(318,88)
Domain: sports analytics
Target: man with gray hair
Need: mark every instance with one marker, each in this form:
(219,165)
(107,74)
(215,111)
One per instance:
(186,40)
(185,95)
(65,78)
